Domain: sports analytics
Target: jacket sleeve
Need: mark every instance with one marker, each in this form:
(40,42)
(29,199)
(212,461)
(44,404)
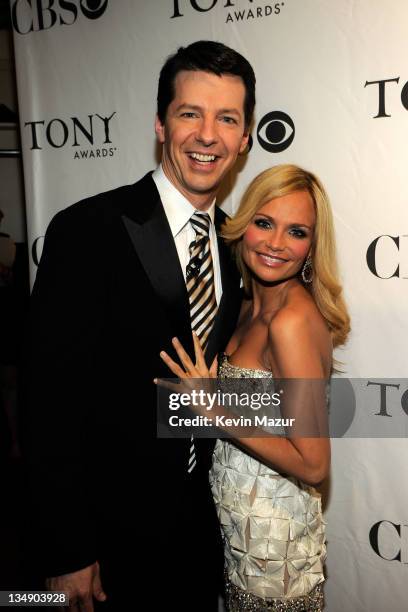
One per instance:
(66,321)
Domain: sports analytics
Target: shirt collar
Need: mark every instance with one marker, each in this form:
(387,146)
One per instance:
(176,206)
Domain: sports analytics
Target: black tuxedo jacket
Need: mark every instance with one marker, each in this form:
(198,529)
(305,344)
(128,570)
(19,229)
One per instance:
(109,295)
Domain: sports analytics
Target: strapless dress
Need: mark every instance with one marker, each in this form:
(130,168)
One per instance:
(272,528)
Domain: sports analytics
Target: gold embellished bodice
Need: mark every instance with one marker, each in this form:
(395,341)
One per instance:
(272,525)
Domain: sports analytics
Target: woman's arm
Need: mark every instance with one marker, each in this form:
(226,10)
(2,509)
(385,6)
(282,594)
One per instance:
(296,354)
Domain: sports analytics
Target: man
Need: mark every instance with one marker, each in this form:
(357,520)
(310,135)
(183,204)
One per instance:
(120,514)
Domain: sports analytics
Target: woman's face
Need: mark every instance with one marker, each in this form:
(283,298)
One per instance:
(279,237)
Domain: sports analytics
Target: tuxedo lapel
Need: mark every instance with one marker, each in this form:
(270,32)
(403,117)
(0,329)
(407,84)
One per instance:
(148,228)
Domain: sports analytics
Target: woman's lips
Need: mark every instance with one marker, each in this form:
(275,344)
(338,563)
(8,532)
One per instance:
(271,260)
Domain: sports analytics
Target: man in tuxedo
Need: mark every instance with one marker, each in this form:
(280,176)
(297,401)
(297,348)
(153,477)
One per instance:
(120,515)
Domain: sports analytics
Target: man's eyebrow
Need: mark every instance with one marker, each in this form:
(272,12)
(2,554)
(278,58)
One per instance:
(190,106)
(230,111)
(196,107)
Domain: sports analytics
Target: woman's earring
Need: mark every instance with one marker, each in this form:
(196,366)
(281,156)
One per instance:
(307,270)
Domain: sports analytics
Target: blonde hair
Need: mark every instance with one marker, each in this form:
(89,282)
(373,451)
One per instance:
(325,288)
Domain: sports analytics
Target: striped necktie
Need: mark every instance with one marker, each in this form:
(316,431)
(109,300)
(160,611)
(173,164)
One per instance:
(200,290)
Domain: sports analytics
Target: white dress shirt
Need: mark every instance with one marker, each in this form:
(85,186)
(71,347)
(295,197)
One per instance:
(179,212)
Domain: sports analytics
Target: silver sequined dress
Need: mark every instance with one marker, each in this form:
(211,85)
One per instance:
(272,528)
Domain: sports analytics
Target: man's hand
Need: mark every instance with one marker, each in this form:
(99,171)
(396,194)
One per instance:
(81,587)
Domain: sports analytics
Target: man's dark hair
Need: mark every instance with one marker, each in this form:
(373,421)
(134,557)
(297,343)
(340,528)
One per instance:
(208,56)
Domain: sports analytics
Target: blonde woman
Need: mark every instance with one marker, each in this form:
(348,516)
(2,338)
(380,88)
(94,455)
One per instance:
(292,317)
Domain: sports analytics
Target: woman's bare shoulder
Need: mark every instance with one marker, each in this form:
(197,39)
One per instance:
(299,339)
(299,314)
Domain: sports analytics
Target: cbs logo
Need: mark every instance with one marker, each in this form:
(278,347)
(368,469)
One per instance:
(28,17)
(389,541)
(387,256)
(275,132)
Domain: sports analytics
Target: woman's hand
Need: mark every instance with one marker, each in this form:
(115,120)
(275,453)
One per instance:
(199,379)
(197,370)
(194,377)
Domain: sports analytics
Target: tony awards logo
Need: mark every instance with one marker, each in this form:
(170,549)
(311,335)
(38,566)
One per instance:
(236,10)
(90,137)
(383,87)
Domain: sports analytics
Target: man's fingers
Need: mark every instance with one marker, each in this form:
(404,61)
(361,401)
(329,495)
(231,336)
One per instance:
(86,605)
(78,586)
(74,605)
(98,591)
(81,602)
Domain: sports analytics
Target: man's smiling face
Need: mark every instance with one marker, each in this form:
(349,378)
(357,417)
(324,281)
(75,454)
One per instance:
(203,133)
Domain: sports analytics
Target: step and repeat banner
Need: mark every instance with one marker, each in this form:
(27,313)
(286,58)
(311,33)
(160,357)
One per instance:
(332,96)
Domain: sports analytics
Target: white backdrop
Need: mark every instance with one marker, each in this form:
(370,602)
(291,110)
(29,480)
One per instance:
(87,75)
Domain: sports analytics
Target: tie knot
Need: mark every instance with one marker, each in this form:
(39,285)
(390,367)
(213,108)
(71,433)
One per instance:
(201,223)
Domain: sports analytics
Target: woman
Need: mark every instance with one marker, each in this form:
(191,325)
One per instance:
(292,317)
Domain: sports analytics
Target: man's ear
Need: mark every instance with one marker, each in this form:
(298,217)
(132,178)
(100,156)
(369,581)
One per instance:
(244,141)
(159,129)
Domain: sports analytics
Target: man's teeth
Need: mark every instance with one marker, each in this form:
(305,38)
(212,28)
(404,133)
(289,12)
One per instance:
(203,158)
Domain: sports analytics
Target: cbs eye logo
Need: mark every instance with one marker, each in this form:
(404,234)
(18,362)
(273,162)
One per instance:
(275,132)
(93,8)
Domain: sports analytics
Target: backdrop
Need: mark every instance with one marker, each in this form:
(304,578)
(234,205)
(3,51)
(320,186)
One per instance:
(332,96)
